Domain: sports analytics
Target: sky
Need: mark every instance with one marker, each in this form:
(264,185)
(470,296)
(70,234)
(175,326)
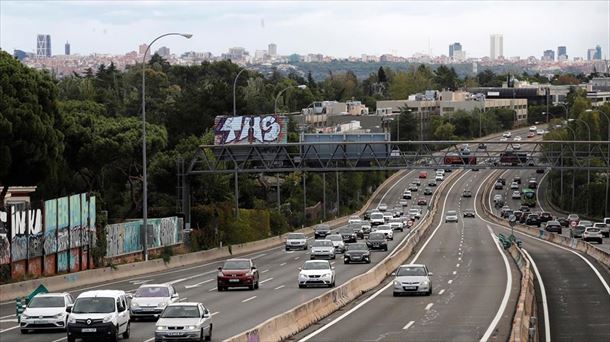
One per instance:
(337,28)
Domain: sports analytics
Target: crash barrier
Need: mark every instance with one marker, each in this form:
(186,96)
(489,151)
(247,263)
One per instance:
(525,326)
(295,320)
(130,270)
(598,254)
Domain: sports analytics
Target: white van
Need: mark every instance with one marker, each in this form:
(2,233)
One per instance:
(99,315)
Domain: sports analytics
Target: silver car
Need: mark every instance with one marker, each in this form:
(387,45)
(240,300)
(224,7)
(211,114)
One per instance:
(337,241)
(322,249)
(296,241)
(150,300)
(184,322)
(412,279)
(451,216)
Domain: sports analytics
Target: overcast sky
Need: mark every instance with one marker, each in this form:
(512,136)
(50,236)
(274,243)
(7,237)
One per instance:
(340,28)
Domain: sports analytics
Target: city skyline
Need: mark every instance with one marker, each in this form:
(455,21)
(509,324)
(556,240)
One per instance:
(297,27)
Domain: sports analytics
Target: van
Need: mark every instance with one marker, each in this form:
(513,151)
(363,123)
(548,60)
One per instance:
(99,315)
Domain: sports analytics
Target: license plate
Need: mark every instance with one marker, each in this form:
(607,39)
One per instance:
(42,321)
(89,330)
(149,309)
(234,280)
(410,287)
(174,333)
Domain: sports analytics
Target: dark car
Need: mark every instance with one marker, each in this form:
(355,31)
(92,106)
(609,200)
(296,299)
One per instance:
(377,241)
(357,252)
(469,213)
(532,220)
(498,185)
(539,170)
(467,193)
(525,209)
(518,214)
(502,180)
(321,230)
(422,201)
(356,227)
(348,235)
(507,213)
(432,183)
(563,221)
(553,226)
(367,214)
(545,217)
(517,179)
(237,273)
(577,231)
(427,191)
(482,146)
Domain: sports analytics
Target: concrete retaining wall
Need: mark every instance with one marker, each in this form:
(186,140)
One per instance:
(526,304)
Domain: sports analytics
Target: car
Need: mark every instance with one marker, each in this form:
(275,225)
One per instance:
(397,212)
(501,180)
(354,219)
(517,179)
(539,132)
(237,273)
(296,241)
(99,313)
(387,230)
(507,134)
(439,178)
(517,138)
(356,227)
(516,146)
(406,194)
(516,195)
(387,217)
(367,215)
(603,228)
(382,207)
(532,184)
(577,232)
(365,228)
(553,226)
(545,216)
(514,186)
(498,186)
(416,181)
(498,201)
(415,213)
(412,279)
(317,273)
(377,218)
(503,139)
(422,201)
(482,146)
(592,234)
(338,243)
(518,214)
(413,187)
(150,300)
(531,134)
(185,321)
(347,234)
(563,221)
(46,311)
(377,240)
(321,231)
(573,218)
(451,216)
(585,223)
(469,213)
(403,202)
(423,174)
(397,224)
(432,183)
(532,220)
(539,170)
(325,248)
(507,213)
(533,129)
(466,193)
(427,191)
(357,252)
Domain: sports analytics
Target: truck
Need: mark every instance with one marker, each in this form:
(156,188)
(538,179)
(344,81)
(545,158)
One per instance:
(457,159)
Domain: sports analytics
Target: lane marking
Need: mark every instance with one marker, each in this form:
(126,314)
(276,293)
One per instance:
(64,338)
(545,307)
(454,272)
(408,325)
(214,313)
(297,258)
(182,299)
(198,284)
(9,329)
(213,289)
(265,271)
(248,299)
(457,265)
(10,320)
(266,280)
(282,264)
(450,281)
(428,306)
(441,291)
(280,287)
(7,316)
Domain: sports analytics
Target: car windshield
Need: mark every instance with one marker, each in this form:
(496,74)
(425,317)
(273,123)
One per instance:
(322,227)
(93,305)
(316,265)
(377,216)
(150,291)
(592,230)
(451,213)
(357,246)
(413,211)
(322,243)
(469,210)
(47,302)
(236,265)
(181,311)
(334,238)
(376,236)
(411,271)
(345,231)
(384,227)
(296,236)
(395,220)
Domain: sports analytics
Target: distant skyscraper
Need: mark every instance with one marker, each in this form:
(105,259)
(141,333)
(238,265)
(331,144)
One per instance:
(67,49)
(163,51)
(562,53)
(496,46)
(43,45)
(590,54)
(598,52)
(548,55)
(453,48)
(272,50)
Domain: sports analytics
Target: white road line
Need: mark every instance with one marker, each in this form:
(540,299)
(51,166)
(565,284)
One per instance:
(457,265)
(10,320)
(266,280)
(297,258)
(213,289)
(8,329)
(387,286)
(150,339)
(450,281)
(282,264)
(509,281)
(545,307)
(280,287)
(258,256)
(460,258)
(428,306)
(214,313)
(198,284)
(182,299)
(408,325)
(248,299)
(441,291)
(63,338)
(289,252)
(7,316)
(454,272)
(265,271)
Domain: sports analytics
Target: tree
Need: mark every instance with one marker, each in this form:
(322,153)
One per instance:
(446,78)
(381,76)
(445,132)
(31,144)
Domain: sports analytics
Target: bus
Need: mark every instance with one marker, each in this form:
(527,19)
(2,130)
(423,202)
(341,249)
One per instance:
(528,197)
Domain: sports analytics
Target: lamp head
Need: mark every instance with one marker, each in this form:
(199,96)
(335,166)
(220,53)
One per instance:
(186,35)
(302,86)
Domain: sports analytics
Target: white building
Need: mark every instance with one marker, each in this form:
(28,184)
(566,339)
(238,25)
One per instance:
(496,46)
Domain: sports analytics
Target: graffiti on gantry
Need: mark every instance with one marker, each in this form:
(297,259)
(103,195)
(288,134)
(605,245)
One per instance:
(240,130)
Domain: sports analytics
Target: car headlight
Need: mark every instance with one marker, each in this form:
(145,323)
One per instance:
(59,315)
(301,275)
(160,327)
(107,319)
(425,283)
(327,274)
(135,304)
(71,320)
(24,316)
(191,327)
(162,304)
(396,283)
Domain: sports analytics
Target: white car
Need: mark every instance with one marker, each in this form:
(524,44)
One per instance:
(354,219)
(604,229)
(296,241)
(322,249)
(592,234)
(440,172)
(415,213)
(507,134)
(382,207)
(316,272)
(377,218)
(387,230)
(516,194)
(185,321)
(46,311)
(514,186)
(107,310)
(540,132)
(533,128)
(406,194)
(516,146)
(403,203)
(503,139)
(387,217)
(150,300)
(397,224)
(412,278)
(439,178)
(451,216)
(338,243)
(517,138)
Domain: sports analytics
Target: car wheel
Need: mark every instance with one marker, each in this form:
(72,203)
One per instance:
(25,331)
(127,330)
(209,337)
(368,261)
(394,294)
(429,292)
(311,257)
(385,249)
(256,285)
(71,339)
(346,262)
(115,336)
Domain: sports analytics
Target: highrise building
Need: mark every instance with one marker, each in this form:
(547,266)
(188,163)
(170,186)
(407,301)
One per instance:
(272,50)
(453,48)
(598,53)
(67,49)
(163,51)
(43,45)
(562,53)
(496,46)
(548,55)
(590,54)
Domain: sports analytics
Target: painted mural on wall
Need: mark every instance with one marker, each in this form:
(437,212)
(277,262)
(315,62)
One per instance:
(63,233)
(75,221)
(126,238)
(26,233)
(50,226)
(241,130)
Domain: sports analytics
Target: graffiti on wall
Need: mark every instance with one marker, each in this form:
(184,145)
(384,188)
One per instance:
(5,244)
(75,221)
(125,238)
(63,222)
(26,233)
(84,214)
(50,227)
(250,129)
(92,219)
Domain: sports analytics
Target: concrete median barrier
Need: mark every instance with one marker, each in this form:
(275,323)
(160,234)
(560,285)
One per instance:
(524,327)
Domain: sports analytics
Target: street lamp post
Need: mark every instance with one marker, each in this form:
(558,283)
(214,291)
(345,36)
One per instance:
(608,156)
(300,86)
(144,180)
(234,89)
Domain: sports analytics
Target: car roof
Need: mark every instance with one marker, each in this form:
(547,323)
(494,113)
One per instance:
(184,304)
(155,285)
(52,294)
(237,259)
(314,261)
(412,265)
(102,293)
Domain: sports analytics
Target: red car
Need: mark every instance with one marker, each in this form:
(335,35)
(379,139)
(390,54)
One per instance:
(422,201)
(423,174)
(237,273)
(531,134)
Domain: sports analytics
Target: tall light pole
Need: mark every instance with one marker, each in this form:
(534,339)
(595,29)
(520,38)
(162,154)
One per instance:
(588,158)
(300,86)
(144,181)
(607,156)
(234,89)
